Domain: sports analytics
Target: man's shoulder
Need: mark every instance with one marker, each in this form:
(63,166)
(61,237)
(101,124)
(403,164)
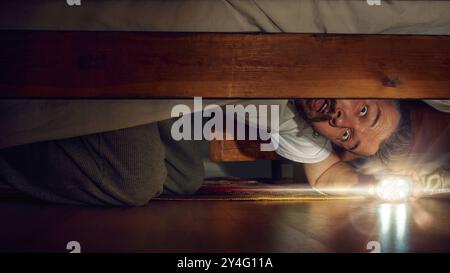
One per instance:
(298,141)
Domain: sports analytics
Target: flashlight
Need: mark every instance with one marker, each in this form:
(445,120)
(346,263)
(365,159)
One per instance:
(394,188)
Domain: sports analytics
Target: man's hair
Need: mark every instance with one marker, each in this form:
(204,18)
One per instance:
(395,149)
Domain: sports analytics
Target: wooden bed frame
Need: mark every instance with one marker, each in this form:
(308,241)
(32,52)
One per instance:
(70,64)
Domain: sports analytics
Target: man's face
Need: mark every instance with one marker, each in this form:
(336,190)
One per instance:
(359,126)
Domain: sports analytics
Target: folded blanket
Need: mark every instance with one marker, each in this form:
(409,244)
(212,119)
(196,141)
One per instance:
(35,120)
(28,121)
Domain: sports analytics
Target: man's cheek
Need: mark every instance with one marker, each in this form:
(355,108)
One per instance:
(323,129)
(337,143)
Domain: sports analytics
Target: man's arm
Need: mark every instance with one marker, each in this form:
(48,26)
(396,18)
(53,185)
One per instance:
(334,176)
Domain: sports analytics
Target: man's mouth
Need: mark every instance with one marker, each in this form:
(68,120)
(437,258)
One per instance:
(320,105)
(317,110)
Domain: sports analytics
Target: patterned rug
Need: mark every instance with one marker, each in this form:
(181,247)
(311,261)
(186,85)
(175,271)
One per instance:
(230,189)
(235,189)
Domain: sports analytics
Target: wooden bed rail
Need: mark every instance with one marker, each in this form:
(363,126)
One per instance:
(183,65)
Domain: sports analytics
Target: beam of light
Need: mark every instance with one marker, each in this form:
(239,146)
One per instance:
(384,213)
(401,215)
(393,227)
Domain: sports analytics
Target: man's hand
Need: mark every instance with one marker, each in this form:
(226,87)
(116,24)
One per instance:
(335,176)
(430,179)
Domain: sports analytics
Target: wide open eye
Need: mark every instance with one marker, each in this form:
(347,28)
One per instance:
(364,111)
(346,135)
(332,122)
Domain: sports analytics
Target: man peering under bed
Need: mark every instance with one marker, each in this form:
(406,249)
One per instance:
(385,135)
(128,167)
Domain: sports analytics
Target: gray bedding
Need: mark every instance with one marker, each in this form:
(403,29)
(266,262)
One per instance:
(300,16)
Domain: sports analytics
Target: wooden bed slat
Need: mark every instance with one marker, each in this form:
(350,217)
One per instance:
(183,65)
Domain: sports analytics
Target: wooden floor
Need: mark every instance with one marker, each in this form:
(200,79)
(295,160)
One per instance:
(229,226)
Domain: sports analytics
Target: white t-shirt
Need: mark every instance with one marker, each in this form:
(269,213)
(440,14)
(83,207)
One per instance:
(297,141)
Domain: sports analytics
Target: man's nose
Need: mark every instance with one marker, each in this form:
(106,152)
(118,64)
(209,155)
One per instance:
(338,119)
(342,119)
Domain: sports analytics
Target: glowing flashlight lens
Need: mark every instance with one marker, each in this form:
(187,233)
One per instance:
(394,188)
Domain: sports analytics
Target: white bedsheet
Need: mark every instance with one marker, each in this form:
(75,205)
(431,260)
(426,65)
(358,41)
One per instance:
(29,121)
